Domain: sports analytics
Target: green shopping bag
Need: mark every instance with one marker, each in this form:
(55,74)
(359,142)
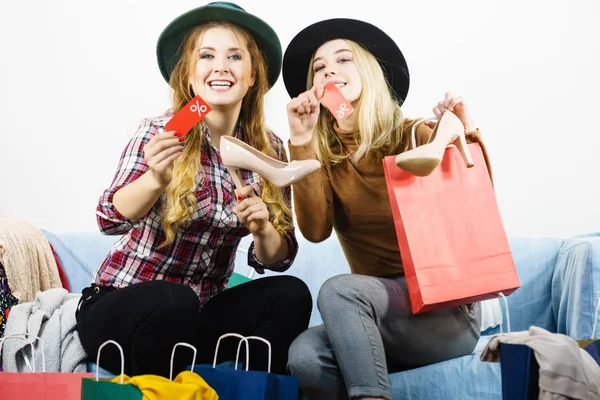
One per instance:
(104,388)
(101,389)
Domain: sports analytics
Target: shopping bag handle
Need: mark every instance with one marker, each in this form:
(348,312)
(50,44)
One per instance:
(501,295)
(122,358)
(242,340)
(20,336)
(173,356)
(32,352)
(29,364)
(413,131)
(268,346)
(595,325)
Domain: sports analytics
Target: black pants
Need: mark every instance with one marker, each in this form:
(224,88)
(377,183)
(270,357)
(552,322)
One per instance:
(148,319)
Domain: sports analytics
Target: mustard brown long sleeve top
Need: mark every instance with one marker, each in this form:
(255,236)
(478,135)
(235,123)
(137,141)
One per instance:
(353,199)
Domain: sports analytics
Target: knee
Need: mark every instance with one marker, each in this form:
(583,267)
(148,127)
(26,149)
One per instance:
(294,292)
(303,358)
(336,288)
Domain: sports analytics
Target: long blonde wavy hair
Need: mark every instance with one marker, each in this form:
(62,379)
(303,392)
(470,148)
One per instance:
(380,122)
(181,201)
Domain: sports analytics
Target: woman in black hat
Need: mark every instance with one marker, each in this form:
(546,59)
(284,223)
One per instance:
(181,219)
(369,329)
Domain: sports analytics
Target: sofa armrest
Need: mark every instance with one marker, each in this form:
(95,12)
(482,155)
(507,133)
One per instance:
(576,287)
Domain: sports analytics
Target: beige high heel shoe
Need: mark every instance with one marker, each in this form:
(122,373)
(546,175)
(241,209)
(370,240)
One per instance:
(423,160)
(238,155)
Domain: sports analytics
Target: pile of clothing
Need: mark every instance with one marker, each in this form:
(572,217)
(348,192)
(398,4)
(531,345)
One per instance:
(566,371)
(35,302)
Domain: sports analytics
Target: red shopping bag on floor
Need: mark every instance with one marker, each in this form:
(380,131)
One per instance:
(39,385)
(452,241)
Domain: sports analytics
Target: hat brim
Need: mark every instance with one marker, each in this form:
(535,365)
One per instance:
(171,38)
(299,52)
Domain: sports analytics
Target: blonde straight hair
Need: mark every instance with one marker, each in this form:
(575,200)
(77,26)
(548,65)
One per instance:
(181,200)
(379,117)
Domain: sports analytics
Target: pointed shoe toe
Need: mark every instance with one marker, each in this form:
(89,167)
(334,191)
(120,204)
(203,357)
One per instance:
(238,155)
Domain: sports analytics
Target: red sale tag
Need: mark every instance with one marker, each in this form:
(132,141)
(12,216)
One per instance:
(335,102)
(188,116)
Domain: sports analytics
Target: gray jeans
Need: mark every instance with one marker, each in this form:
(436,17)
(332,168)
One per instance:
(368,331)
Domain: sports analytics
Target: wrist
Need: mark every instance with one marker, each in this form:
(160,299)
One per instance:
(155,183)
(300,139)
(266,231)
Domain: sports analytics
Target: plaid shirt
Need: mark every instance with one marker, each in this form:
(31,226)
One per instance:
(203,252)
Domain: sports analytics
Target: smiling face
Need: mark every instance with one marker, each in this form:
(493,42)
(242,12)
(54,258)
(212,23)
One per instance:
(334,62)
(223,71)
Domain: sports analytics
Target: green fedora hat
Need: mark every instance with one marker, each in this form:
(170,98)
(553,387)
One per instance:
(169,41)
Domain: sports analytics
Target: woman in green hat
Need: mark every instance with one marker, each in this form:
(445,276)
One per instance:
(181,218)
(368,328)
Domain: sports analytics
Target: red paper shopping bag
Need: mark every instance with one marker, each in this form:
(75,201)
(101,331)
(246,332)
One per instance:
(41,385)
(452,240)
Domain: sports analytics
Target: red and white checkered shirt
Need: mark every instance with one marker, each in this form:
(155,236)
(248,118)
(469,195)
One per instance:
(203,252)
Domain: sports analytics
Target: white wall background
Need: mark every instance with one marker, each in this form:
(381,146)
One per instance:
(75,76)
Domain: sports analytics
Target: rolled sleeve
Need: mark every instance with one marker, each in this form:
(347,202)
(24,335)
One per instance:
(131,167)
(281,266)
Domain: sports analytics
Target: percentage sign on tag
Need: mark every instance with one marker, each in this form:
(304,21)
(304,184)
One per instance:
(184,120)
(341,111)
(335,102)
(198,108)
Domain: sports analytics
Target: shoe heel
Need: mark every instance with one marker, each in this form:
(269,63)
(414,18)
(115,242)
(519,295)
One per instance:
(236,177)
(461,145)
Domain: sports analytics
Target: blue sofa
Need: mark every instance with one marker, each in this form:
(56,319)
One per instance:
(560,281)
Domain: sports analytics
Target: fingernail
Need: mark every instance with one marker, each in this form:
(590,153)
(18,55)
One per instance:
(181,139)
(182,144)
(176,134)
(239,198)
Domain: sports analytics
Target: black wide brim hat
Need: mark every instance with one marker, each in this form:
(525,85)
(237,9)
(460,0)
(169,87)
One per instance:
(301,49)
(171,38)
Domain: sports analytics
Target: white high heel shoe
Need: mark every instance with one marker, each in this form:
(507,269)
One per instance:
(423,160)
(238,155)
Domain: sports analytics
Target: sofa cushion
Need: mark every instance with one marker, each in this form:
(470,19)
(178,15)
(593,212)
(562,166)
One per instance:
(534,258)
(460,378)
(80,254)
(314,264)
